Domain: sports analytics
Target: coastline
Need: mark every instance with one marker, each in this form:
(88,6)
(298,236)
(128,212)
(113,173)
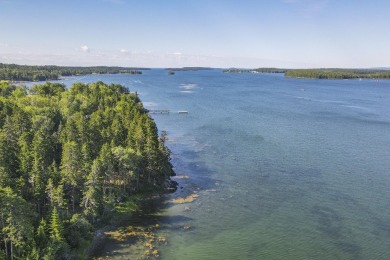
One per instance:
(131,231)
(139,231)
(98,214)
(135,232)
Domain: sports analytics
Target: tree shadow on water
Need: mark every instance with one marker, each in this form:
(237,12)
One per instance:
(133,235)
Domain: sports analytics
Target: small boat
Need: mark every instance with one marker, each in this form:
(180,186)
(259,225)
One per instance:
(182,112)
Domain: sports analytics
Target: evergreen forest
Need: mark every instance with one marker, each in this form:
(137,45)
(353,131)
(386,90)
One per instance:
(338,73)
(67,158)
(15,72)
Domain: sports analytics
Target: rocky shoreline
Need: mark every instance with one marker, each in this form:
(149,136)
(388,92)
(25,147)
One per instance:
(133,231)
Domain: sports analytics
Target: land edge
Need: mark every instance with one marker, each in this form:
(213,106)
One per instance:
(146,205)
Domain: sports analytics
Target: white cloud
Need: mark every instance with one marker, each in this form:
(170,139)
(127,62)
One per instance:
(84,48)
(124,51)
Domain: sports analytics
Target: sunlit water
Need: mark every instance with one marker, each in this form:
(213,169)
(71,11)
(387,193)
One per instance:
(284,168)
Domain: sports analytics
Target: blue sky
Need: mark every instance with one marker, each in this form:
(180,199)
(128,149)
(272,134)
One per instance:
(216,33)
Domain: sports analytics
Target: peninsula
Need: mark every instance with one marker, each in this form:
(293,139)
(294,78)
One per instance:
(70,161)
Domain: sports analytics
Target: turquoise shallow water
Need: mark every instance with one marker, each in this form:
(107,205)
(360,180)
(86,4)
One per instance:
(284,168)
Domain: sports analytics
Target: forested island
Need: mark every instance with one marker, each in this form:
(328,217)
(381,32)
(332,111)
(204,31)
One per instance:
(68,158)
(15,72)
(338,73)
(189,69)
(320,73)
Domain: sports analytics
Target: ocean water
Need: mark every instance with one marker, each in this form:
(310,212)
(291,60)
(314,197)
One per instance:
(283,168)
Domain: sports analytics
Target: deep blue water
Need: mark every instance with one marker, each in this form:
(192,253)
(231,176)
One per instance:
(284,168)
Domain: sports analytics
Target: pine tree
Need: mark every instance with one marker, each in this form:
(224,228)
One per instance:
(71,169)
(56,228)
(16,227)
(92,202)
(41,238)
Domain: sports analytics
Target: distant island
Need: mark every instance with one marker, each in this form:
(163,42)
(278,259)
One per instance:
(259,70)
(332,73)
(15,72)
(338,73)
(189,69)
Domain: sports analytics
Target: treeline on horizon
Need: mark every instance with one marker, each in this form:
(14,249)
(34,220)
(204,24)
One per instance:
(68,158)
(189,69)
(338,73)
(321,73)
(259,70)
(15,72)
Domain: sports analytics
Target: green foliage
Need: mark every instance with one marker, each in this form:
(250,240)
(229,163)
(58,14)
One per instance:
(78,234)
(48,89)
(67,159)
(56,228)
(338,73)
(16,224)
(42,238)
(40,73)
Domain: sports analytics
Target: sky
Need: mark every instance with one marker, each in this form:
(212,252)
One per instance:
(211,33)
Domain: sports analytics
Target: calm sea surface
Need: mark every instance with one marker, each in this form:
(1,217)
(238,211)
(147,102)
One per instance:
(284,168)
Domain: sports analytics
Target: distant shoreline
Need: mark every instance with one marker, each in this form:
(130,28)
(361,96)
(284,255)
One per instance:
(320,73)
(189,69)
(26,73)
